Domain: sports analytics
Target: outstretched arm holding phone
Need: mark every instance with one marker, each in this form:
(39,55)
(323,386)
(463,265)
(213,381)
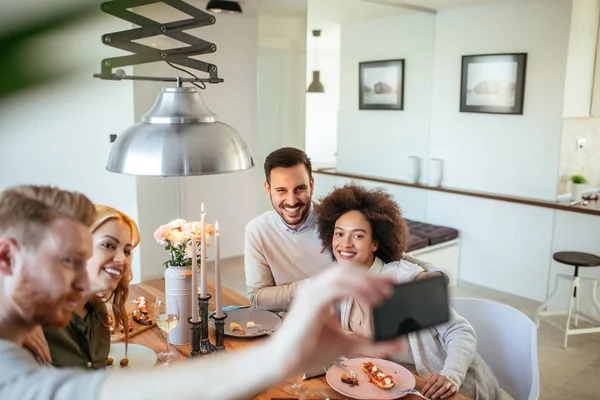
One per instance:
(309,336)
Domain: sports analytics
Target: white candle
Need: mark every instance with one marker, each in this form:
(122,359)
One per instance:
(195,311)
(218,306)
(203,252)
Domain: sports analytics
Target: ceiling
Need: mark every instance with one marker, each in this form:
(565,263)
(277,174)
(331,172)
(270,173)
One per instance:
(328,12)
(285,8)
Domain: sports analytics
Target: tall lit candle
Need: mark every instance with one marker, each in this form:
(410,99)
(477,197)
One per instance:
(195,311)
(218,306)
(203,252)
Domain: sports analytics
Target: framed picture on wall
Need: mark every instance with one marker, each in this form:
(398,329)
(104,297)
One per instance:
(381,85)
(493,83)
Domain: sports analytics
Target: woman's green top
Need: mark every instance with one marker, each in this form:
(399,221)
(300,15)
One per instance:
(84,343)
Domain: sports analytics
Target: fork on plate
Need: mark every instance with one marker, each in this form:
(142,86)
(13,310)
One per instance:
(340,363)
(268,332)
(410,391)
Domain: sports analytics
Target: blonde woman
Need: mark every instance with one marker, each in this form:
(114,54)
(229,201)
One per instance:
(85,342)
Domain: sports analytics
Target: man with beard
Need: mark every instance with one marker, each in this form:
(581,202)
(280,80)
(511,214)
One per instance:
(282,247)
(44,245)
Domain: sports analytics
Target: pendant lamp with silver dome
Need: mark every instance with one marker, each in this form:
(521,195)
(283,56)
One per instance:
(179,136)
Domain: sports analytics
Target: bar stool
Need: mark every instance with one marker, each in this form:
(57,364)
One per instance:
(576,259)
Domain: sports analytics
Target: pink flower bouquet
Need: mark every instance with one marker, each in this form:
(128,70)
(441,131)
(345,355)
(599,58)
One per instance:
(177,238)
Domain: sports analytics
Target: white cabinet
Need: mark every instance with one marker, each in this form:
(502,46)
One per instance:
(582,86)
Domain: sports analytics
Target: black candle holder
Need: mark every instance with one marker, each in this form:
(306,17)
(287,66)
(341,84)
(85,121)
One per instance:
(201,344)
(219,330)
(196,328)
(205,347)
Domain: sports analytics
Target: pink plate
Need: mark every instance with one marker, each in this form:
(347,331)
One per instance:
(403,379)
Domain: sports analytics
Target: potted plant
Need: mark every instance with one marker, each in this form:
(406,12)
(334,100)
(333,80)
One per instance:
(578,185)
(177,237)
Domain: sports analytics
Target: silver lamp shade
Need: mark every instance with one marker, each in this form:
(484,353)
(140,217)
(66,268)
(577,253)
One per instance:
(179,136)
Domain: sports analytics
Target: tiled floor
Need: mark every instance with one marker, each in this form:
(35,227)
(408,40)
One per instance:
(571,373)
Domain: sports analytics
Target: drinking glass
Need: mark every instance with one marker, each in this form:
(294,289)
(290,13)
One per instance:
(167,319)
(297,387)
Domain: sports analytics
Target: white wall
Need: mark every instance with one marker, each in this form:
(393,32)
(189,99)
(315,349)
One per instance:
(281,89)
(58,134)
(287,34)
(378,142)
(503,246)
(412,201)
(508,154)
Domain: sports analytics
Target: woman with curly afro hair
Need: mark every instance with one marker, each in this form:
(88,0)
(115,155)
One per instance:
(365,227)
(389,230)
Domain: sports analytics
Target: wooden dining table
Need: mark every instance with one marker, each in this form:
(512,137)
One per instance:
(154,339)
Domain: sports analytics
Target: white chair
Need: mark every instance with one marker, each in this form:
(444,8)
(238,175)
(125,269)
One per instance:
(507,341)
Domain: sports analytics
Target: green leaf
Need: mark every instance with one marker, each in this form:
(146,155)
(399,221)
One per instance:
(578,179)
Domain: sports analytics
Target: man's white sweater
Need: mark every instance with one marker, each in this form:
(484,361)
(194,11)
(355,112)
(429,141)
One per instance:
(276,259)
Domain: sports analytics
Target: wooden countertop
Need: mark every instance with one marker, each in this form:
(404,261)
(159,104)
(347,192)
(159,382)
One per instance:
(592,207)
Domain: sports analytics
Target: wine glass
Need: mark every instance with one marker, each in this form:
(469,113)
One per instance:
(297,387)
(167,317)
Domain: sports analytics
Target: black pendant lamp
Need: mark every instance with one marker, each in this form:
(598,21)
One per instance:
(316,86)
(224,6)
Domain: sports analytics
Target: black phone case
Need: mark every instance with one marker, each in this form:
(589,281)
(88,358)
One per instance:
(414,306)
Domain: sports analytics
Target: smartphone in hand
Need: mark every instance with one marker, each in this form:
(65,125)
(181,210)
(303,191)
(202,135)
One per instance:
(414,306)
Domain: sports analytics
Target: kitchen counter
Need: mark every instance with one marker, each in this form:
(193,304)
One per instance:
(592,207)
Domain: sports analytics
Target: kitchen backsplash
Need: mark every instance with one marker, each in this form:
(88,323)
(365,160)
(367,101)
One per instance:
(585,161)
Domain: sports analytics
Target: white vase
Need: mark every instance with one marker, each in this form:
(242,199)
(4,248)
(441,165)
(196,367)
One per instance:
(413,169)
(436,167)
(577,190)
(178,286)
